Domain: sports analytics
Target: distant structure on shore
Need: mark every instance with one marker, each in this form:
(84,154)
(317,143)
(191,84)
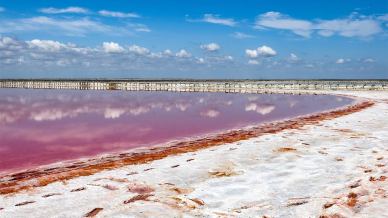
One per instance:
(248,86)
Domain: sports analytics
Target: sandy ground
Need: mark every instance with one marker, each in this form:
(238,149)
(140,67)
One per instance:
(335,168)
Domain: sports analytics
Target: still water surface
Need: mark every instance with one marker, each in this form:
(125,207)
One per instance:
(39,127)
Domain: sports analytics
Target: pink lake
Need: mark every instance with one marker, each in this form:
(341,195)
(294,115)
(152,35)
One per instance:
(39,127)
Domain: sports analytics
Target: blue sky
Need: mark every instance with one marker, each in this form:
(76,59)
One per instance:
(194,39)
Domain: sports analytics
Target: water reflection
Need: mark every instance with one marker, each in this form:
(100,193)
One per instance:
(43,126)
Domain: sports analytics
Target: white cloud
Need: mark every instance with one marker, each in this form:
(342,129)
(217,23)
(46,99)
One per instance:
(239,35)
(293,58)
(138,27)
(80,25)
(74,10)
(266,51)
(168,52)
(211,47)
(229,58)
(112,47)
(253,62)
(47,55)
(369,60)
(216,19)
(143,29)
(64,26)
(118,14)
(325,33)
(352,26)
(200,60)
(8,43)
(46,45)
(156,55)
(349,27)
(251,53)
(139,50)
(214,59)
(51,50)
(276,20)
(76,27)
(183,54)
(342,60)
(263,51)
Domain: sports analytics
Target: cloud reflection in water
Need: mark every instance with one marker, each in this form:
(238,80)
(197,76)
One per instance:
(44,126)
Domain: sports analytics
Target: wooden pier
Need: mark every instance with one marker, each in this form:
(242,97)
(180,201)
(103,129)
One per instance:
(241,86)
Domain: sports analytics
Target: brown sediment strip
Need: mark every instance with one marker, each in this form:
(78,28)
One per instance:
(93,212)
(36,178)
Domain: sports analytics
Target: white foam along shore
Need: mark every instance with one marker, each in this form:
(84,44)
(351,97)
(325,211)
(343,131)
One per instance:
(336,167)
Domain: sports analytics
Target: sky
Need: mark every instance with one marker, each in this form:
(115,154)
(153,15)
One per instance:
(202,39)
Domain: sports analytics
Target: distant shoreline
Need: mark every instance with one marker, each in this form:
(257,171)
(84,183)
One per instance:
(243,86)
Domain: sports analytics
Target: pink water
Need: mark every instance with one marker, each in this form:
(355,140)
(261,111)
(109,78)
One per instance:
(39,127)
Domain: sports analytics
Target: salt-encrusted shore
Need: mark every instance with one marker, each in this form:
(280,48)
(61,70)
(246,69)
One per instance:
(327,168)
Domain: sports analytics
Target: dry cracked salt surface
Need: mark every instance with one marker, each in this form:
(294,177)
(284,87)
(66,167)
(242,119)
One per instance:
(336,168)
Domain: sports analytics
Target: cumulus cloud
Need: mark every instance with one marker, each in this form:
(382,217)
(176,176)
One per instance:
(215,19)
(183,54)
(139,50)
(50,46)
(40,55)
(112,47)
(73,10)
(251,53)
(200,60)
(8,43)
(342,60)
(46,45)
(239,35)
(263,51)
(352,26)
(118,14)
(168,53)
(266,51)
(211,47)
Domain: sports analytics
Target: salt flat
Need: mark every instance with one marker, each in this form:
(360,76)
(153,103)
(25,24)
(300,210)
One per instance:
(335,168)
